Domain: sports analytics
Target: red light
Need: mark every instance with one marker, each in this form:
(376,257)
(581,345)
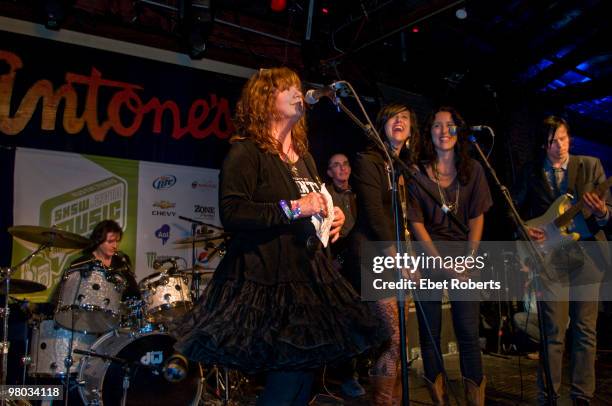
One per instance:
(415,29)
(325,10)
(278,5)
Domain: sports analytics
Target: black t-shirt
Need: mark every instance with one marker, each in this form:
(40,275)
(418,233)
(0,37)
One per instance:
(474,200)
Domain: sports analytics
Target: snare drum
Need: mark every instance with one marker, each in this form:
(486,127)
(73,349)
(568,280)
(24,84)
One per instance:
(49,349)
(90,299)
(104,380)
(166,295)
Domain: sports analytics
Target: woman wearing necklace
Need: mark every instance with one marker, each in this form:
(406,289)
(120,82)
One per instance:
(459,181)
(375,222)
(275,304)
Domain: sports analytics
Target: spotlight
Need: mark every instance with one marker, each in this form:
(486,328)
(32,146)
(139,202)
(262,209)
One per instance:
(461,13)
(54,14)
(278,5)
(199,27)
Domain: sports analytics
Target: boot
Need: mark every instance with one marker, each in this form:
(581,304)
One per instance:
(383,390)
(397,388)
(474,394)
(437,390)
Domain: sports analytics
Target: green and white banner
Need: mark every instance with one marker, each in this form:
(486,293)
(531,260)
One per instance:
(74,192)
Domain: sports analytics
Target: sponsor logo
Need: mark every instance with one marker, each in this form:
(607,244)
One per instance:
(152,358)
(79,210)
(163,233)
(164,182)
(206,212)
(164,204)
(204,184)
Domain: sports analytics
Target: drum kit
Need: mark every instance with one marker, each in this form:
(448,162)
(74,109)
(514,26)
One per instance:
(112,349)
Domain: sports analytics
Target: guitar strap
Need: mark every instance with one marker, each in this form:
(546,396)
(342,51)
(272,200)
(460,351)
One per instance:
(572,173)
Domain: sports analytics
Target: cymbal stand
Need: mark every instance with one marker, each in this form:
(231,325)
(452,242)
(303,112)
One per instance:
(6,274)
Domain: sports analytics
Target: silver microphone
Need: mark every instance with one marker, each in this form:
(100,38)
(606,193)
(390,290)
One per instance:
(313,96)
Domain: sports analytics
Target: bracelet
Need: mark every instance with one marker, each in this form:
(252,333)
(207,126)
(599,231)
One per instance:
(291,214)
(286,209)
(297,212)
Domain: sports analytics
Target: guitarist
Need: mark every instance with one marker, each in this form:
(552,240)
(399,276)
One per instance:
(557,173)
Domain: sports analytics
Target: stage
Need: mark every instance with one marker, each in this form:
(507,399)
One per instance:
(511,381)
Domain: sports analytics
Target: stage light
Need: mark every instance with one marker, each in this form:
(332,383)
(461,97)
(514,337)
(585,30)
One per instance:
(461,13)
(199,27)
(278,5)
(325,11)
(415,29)
(54,14)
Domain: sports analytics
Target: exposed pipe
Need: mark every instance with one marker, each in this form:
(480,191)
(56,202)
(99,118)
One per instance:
(399,29)
(254,31)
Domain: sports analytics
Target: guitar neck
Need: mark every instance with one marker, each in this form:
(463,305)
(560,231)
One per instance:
(570,213)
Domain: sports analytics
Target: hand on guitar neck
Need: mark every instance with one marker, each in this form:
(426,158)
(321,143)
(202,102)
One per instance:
(595,204)
(562,212)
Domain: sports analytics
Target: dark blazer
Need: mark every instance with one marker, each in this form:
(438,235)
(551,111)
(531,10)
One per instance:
(533,195)
(266,247)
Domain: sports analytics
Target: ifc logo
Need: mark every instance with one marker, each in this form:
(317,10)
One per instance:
(164,182)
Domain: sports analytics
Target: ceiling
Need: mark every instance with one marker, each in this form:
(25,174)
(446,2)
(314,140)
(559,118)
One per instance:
(553,54)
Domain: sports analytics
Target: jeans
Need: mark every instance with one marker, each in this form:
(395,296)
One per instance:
(466,318)
(570,292)
(286,388)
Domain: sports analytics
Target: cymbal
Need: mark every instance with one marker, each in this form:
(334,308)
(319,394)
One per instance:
(23,286)
(211,235)
(50,236)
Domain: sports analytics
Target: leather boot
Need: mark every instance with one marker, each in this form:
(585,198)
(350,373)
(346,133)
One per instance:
(397,388)
(383,389)
(437,390)
(474,394)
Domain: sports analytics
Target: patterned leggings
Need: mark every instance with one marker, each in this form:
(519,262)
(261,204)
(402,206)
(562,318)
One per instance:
(387,363)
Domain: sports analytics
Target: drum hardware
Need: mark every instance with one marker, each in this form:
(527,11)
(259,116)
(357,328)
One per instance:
(46,238)
(210,235)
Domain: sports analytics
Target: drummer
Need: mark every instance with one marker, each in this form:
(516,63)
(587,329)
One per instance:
(105,238)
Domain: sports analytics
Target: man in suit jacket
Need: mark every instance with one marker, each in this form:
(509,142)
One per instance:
(565,291)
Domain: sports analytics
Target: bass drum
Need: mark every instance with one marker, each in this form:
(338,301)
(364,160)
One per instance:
(104,380)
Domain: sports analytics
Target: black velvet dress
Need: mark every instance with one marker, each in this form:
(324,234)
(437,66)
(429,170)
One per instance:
(275,302)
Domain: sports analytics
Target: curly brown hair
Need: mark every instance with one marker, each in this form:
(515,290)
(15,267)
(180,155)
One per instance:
(255,110)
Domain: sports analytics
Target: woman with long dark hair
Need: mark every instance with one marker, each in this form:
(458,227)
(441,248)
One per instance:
(275,303)
(398,127)
(447,171)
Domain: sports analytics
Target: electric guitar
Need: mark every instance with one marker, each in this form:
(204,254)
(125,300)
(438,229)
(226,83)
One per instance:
(558,219)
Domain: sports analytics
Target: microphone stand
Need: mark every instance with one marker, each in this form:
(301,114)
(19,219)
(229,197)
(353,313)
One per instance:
(195,277)
(373,135)
(536,255)
(195,284)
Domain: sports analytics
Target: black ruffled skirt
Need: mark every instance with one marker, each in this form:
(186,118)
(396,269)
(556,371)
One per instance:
(242,324)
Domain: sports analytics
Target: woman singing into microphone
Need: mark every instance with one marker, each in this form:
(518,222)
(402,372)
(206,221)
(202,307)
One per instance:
(275,303)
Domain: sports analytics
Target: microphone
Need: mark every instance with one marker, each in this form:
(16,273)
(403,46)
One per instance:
(159,261)
(313,96)
(479,127)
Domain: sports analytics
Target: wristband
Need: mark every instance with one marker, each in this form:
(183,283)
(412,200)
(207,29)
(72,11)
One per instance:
(286,209)
(297,211)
